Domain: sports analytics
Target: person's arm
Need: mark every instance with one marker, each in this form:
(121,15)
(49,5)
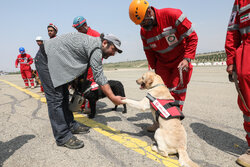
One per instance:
(17,61)
(233,39)
(30,60)
(186,32)
(100,79)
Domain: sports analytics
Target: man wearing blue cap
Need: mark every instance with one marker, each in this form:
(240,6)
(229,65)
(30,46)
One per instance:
(61,60)
(80,24)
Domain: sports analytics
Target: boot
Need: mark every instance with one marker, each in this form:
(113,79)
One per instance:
(244,159)
(74,143)
(153,127)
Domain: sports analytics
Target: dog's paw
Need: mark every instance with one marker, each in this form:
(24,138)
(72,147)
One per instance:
(154,148)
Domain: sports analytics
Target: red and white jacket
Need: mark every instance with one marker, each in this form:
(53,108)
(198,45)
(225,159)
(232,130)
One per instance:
(172,40)
(238,29)
(24,60)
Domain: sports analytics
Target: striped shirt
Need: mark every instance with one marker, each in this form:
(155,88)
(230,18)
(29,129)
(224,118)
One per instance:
(68,57)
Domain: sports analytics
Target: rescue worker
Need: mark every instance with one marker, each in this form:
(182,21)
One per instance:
(237,48)
(169,43)
(39,42)
(52,30)
(80,24)
(25,60)
(61,60)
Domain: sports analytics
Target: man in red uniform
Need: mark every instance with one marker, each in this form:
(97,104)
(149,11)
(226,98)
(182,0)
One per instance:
(238,58)
(25,61)
(169,43)
(80,24)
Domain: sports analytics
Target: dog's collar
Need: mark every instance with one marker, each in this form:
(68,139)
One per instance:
(157,86)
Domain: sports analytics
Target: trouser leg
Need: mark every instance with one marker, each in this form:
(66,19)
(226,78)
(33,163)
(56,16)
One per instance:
(29,77)
(67,113)
(25,79)
(244,84)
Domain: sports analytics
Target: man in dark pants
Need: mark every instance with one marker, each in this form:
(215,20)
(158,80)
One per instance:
(61,60)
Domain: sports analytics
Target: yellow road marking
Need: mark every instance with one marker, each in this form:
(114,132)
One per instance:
(132,143)
(34,95)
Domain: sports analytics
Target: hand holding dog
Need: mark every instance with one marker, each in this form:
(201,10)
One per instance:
(118,100)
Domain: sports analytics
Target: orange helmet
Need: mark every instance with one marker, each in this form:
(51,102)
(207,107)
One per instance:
(137,10)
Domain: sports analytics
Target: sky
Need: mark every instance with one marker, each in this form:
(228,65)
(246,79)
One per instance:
(22,21)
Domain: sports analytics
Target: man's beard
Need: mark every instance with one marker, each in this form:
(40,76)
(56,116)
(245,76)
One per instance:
(105,55)
(150,24)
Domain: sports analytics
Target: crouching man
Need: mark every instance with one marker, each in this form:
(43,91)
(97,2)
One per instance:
(61,60)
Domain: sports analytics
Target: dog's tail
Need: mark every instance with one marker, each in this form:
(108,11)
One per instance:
(185,160)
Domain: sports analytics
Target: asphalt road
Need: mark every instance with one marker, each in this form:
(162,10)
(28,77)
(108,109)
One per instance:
(213,122)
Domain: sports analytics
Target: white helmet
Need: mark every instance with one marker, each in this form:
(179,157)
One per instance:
(39,38)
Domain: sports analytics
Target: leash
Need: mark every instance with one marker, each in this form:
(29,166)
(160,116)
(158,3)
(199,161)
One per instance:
(234,79)
(181,81)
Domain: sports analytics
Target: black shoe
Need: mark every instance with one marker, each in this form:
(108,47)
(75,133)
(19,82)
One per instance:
(81,130)
(74,143)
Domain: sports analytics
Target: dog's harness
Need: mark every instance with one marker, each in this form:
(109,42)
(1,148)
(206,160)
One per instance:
(167,109)
(94,86)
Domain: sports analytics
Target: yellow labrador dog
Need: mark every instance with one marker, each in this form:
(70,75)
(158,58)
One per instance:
(171,137)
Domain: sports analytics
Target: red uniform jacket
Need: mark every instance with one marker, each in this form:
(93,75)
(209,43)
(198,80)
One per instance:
(171,40)
(24,60)
(238,29)
(92,33)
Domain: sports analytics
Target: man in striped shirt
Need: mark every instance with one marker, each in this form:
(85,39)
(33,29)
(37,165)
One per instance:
(169,43)
(61,60)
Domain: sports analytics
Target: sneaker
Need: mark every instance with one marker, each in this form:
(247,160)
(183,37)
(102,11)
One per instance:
(32,87)
(153,127)
(26,87)
(74,143)
(81,130)
(244,159)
